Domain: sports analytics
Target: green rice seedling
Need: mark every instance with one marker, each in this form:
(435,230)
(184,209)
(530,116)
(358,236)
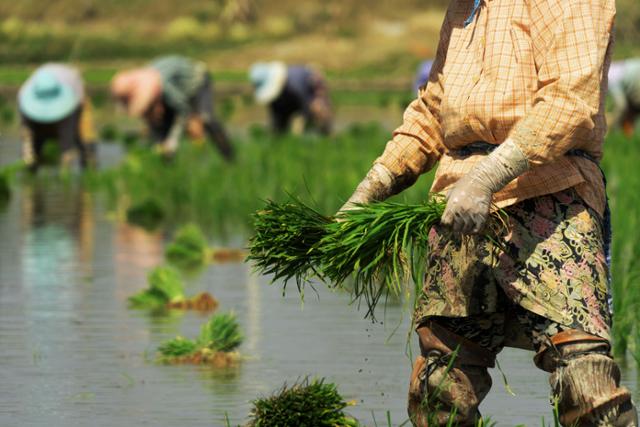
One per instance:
(148,214)
(177,347)
(221,333)
(380,246)
(216,345)
(189,249)
(165,287)
(284,237)
(166,290)
(306,403)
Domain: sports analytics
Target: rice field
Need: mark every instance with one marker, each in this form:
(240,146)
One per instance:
(197,186)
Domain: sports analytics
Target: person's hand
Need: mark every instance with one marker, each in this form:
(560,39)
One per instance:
(377,185)
(468,205)
(469,201)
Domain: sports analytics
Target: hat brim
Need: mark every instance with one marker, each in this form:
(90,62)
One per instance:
(273,86)
(48,111)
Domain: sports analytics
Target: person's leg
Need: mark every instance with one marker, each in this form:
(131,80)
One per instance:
(203,105)
(69,139)
(450,377)
(585,380)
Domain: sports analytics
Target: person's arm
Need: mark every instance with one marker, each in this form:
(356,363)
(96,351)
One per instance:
(570,49)
(417,144)
(28,151)
(170,144)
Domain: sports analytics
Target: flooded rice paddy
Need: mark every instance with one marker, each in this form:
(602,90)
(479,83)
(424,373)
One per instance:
(72,354)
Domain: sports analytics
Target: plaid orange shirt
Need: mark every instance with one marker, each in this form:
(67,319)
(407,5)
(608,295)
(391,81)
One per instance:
(534,71)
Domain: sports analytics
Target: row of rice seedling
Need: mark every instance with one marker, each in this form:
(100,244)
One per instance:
(197,186)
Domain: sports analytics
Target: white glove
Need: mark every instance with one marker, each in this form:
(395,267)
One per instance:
(469,201)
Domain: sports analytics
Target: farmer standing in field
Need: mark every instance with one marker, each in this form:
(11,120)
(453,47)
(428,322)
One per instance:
(53,106)
(624,90)
(514,114)
(290,91)
(172,93)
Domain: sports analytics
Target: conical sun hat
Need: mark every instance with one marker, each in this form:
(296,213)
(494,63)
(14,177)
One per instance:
(45,99)
(268,79)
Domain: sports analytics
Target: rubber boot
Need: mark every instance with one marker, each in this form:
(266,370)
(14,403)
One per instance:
(585,382)
(446,384)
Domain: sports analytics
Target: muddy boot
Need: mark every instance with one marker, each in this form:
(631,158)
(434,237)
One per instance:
(585,381)
(448,385)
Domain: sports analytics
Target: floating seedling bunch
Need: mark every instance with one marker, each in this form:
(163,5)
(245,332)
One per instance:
(377,248)
(166,290)
(189,248)
(306,403)
(216,345)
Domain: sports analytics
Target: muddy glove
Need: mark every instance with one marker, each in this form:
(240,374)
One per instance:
(469,200)
(378,185)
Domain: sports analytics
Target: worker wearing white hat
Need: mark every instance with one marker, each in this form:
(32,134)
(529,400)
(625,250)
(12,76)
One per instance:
(53,105)
(291,91)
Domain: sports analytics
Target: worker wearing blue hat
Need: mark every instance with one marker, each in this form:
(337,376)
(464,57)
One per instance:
(53,106)
(291,91)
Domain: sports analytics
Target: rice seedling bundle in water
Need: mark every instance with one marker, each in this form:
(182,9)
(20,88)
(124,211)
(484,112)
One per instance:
(166,290)
(380,246)
(189,249)
(307,403)
(217,343)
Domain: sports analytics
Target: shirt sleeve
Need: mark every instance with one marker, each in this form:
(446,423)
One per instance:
(176,97)
(417,144)
(570,48)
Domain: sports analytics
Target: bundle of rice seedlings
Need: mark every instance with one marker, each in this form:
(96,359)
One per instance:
(216,345)
(189,249)
(166,290)
(307,403)
(380,246)
(284,237)
(221,333)
(147,214)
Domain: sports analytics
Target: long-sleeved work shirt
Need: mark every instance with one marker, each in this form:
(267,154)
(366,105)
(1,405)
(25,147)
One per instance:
(534,71)
(181,80)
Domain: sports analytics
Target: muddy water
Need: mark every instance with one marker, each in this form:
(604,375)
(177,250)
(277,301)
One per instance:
(71,354)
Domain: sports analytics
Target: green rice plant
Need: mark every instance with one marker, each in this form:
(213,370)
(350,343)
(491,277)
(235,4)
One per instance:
(177,347)
(380,246)
(165,287)
(147,214)
(221,333)
(283,239)
(189,249)
(306,403)
(216,345)
(199,187)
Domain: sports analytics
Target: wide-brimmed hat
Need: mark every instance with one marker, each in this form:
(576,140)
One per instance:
(45,99)
(268,79)
(138,88)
